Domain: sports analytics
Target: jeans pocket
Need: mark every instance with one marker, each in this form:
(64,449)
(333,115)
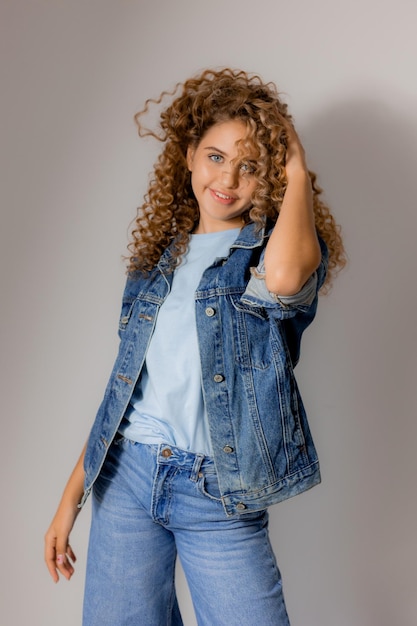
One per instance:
(208,486)
(118,439)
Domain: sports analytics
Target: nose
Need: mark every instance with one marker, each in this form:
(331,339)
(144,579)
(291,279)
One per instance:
(230,177)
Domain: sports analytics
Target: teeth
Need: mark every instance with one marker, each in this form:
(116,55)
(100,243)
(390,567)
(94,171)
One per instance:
(222,195)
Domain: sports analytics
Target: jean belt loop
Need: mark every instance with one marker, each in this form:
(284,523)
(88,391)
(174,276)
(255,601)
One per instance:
(198,461)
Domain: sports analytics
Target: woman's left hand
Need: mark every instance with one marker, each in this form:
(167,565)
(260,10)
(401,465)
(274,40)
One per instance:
(295,160)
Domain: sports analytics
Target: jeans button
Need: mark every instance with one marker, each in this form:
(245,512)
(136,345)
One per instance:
(240,506)
(210,311)
(228,449)
(218,378)
(166,453)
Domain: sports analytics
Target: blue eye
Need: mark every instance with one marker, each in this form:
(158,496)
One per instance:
(217,158)
(247,168)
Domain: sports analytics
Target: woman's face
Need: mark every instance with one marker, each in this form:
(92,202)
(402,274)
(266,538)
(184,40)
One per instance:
(222,185)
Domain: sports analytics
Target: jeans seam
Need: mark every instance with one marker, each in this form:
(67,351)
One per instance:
(172,598)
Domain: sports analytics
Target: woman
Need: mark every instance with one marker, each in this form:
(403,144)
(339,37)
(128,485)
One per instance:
(202,426)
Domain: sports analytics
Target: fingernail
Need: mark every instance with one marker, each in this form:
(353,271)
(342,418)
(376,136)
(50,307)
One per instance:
(60,559)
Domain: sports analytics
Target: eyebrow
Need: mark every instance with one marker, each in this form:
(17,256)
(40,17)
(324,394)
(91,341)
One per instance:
(214,149)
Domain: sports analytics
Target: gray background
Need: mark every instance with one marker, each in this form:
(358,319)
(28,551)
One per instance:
(72,173)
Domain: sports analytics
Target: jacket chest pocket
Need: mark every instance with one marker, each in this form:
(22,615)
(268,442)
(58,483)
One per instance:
(133,309)
(251,336)
(126,313)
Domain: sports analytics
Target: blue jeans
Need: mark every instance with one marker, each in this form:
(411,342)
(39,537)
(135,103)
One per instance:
(152,501)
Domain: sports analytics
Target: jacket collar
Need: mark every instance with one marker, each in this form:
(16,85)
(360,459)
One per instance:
(249,237)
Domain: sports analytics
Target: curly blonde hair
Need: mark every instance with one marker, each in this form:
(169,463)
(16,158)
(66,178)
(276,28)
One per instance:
(170,211)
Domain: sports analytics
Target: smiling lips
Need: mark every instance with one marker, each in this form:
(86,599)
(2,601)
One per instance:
(222,197)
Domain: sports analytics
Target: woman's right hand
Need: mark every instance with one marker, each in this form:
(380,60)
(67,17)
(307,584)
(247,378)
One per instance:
(59,556)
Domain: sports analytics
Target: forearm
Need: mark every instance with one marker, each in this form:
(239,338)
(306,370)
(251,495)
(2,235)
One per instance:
(293,250)
(75,486)
(59,556)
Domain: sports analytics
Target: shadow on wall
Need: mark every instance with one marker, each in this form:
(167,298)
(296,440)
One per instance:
(368,152)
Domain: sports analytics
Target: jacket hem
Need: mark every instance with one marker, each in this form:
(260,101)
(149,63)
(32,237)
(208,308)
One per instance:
(244,502)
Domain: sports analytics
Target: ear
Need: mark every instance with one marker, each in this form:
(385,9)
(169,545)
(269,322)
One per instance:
(190,157)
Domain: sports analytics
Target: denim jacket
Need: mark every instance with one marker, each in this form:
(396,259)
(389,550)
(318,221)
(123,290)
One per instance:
(249,342)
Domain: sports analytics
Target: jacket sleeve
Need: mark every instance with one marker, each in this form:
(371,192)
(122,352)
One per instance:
(257,294)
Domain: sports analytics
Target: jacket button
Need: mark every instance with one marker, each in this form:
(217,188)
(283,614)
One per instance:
(241,506)
(218,378)
(228,449)
(166,453)
(210,311)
